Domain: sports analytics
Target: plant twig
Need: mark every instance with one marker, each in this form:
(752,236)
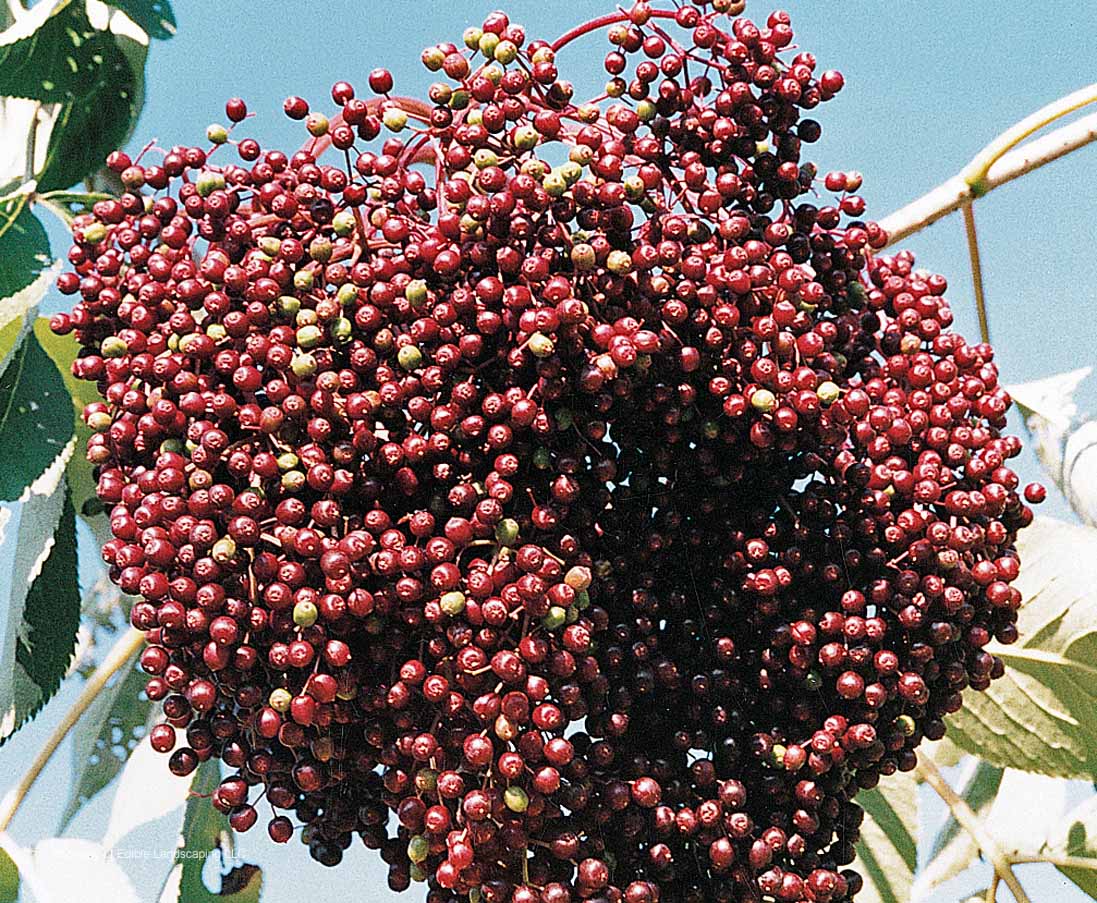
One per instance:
(115,660)
(969,821)
(975,173)
(953,194)
(976,270)
(1065,862)
(992,891)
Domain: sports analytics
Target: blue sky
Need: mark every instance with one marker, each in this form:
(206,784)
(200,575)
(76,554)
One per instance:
(928,83)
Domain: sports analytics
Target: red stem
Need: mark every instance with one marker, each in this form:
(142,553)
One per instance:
(602,22)
(410,105)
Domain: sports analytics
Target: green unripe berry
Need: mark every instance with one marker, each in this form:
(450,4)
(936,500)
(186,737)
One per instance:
(409,357)
(525,137)
(416,292)
(280,699)
(395,119)
(224,550)
(505,52)
(827,392)
(95,233)
(619,262)
(763,400)
(217,133)
(347,294)
(320,249)
(341,330)
(309,336)
(208,182)
(487,44)
(112,346)
(305,614)
(418,848)
(506,531)
(540,345)
(317,124)
(452,603)
(287,461)
(99,422)
(471,37)
(555,618)
(343,222)
(554,184)
(516,799)
(303,365)
(485,157)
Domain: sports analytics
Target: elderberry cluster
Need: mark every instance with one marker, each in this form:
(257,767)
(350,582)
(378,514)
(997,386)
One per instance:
(564,499)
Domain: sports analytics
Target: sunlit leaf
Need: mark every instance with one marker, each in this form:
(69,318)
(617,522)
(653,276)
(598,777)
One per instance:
(36,420)
(42,600)
(1042,715)
(67,61)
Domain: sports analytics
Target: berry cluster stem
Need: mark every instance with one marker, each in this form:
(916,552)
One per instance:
(602,22)
(976,270)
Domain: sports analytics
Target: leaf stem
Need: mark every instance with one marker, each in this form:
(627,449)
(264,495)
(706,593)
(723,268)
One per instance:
(969,821)
(115,660)
(976,270)
(32,139)
(954,193)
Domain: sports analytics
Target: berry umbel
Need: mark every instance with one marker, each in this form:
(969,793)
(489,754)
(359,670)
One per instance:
(566,499)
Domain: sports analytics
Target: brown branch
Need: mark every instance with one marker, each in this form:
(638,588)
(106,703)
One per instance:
(953,194)
(969,821)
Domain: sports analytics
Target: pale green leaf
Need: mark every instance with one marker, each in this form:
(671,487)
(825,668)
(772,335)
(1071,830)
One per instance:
(887,853)
(9,879)
(1042,715)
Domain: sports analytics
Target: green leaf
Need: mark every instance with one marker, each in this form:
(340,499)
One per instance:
(152,16)
(63,351)
(1078,837)
(887,853)
(24,248)
(17,314)
(9,879)
(106,735)
(43,602)
(68,61)
(205,830)
(1042,715)
(35,418)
